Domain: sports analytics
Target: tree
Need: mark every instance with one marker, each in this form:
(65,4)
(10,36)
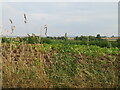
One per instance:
(112,36)
(76,38)
(98,36)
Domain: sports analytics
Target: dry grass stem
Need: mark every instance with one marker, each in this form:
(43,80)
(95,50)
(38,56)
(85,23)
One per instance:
(45,27)
(25,18)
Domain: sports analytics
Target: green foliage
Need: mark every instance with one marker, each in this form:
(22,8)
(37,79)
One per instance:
(46,40)
(31,39)
(83,40)
(70,60)
(98,36)
(4,39)
(118,42)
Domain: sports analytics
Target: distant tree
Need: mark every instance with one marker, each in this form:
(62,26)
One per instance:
(76,38)
(112,36)
(83,38)
(54,37)
(98,36)
(92,38)
(61,38)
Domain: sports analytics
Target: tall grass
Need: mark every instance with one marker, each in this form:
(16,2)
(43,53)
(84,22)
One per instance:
(26,70)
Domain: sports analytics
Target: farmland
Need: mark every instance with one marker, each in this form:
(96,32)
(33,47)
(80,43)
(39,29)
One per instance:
(51,63)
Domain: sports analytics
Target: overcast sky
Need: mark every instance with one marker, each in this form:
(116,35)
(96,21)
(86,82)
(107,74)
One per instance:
(76,18)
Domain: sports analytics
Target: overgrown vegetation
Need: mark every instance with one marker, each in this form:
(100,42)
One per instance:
(53,63)
(83,40)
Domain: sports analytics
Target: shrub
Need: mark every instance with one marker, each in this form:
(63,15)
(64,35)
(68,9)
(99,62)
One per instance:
(46,40)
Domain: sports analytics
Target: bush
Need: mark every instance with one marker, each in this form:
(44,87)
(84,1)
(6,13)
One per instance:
(31,39)
(4,39)
(46,40)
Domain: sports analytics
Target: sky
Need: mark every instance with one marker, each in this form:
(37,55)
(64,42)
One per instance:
(73,18)
(59,0)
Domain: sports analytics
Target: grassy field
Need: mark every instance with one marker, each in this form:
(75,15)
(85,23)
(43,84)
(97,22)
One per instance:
(59,66)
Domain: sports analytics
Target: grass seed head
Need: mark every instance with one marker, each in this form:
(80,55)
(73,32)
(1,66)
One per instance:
(28,35)
(13,28)
(25,19)
(11,21)
(33,35)
(45,27)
